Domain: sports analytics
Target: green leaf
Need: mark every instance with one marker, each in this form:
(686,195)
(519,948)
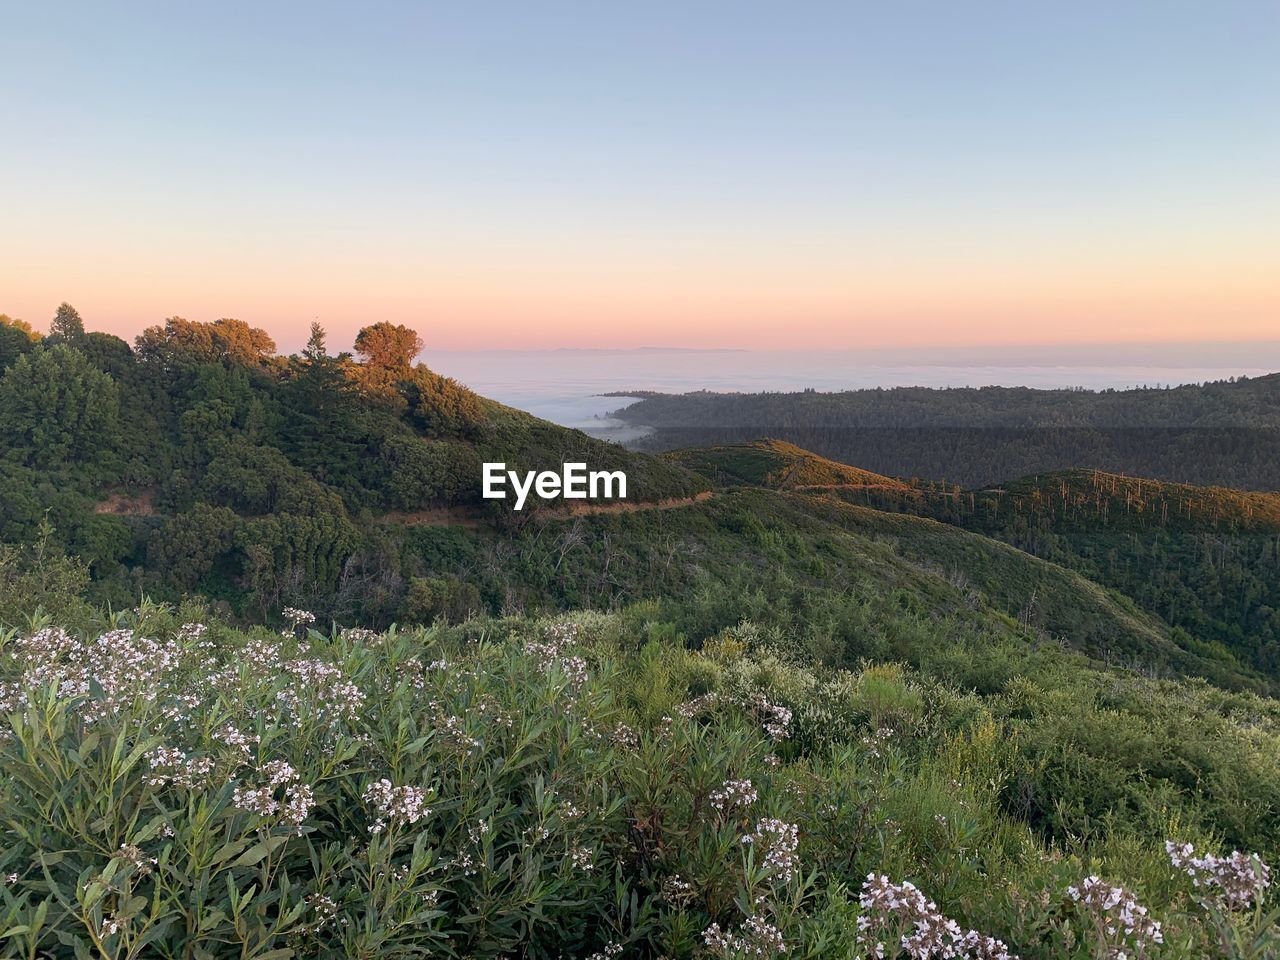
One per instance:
(259,851)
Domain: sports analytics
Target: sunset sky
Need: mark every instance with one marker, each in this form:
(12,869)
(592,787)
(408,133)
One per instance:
(592,174)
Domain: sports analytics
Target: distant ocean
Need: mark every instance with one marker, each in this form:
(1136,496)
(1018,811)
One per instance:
(564,386)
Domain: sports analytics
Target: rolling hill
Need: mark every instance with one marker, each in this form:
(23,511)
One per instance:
(775,464)
(351,489)
(1224,433)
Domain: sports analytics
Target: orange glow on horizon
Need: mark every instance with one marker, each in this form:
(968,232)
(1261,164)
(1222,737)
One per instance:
(831,293)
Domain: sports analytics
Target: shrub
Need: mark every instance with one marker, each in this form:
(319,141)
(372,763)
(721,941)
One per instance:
(543,788)
(429,598)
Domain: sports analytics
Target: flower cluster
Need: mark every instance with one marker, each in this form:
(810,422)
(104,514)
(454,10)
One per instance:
(361,636)
(133,855)
(550,654)
(453,731)
(582,858)
(698,705)
(258,800)
(625,737)
(324,909)
(677,891)
(733,795)
(234,738)
(468,859)
(320,691)
(296,805)
(169,765)
(876,742)
(779,842)
(1234,881)
(118,667)
(394,806)
(1119,920)
(901,913)
(773,717)
(756,937)
(298,618)
(299,798)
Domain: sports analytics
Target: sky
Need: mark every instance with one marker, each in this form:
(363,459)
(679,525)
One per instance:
(692,174)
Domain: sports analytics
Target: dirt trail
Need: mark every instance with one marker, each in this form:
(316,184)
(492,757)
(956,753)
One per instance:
(121,505)
(891,485)
(140,506)
(463,517)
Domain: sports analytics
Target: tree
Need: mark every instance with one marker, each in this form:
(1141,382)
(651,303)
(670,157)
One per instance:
(421,472)
(441,406)
(241,343)
(315,349)
(191,544)
(57,408)
(323,414)
(451,598)
(67,326)
(19,326)
(16,338)
(388,346)
(388,350)
(182,342)
(108,353)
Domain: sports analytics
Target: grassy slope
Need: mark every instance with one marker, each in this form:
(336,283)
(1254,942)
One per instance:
(775,464)
(1054,602)
(780,555)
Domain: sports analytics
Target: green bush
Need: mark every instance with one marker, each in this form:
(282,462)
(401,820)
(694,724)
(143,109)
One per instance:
(534,788)
(430,598)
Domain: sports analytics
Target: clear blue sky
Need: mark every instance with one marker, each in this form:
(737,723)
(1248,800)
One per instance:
(736,174)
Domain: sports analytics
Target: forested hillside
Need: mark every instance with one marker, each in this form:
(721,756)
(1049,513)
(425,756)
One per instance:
(1206,560)
(197,460)
(199,463)
(1225,433)
(1203,561)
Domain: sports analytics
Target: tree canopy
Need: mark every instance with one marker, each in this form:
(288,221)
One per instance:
(182,342)
(67,325)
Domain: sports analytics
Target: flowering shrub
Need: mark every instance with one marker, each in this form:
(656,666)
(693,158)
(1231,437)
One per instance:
(755,937)
(177,788)
(1121,927)
(898,916)
(776,842)
(250,794)
(1235,882)
(732,796)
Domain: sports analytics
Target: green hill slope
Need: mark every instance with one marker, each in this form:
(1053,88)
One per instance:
(351,488)
(1056,604)
(775,464)
(1206,560)
(198,461)
(845,580)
